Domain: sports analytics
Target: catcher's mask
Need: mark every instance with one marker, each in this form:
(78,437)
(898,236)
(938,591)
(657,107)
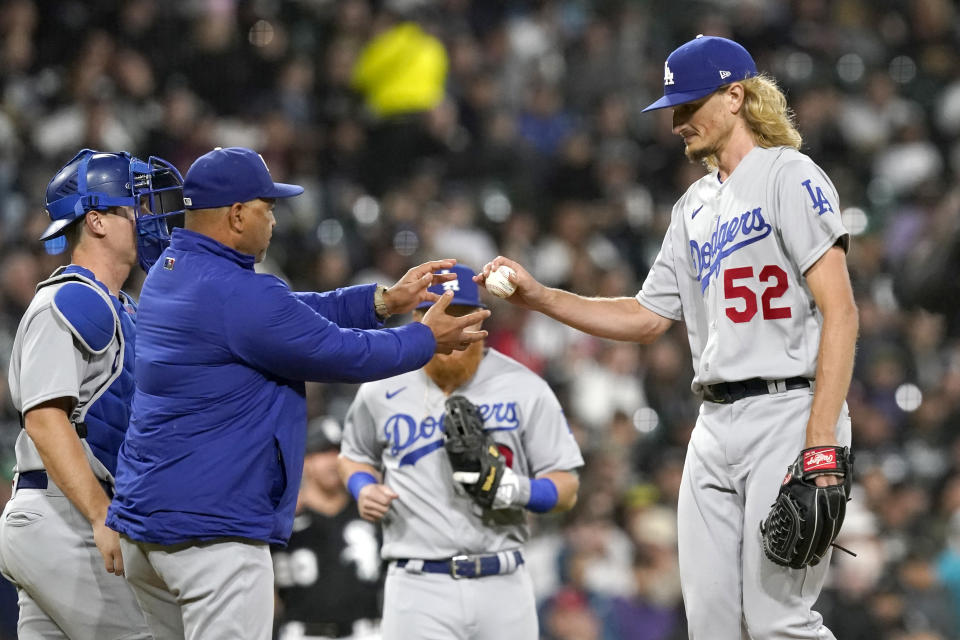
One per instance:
(97,181)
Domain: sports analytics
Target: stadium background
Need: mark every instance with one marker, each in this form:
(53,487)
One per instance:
(426,129)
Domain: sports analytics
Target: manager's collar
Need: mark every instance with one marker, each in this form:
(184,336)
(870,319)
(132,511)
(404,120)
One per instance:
(186,240)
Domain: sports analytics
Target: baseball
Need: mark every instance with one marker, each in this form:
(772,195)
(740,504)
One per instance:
(498,282)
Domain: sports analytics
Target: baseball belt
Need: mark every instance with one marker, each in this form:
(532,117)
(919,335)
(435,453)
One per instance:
(38,479)
(727,392)
(467,566)
(324,630)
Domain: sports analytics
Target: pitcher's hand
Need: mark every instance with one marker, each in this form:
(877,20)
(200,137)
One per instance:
(529,293)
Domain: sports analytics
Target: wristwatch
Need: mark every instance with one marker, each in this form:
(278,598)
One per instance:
(379,304)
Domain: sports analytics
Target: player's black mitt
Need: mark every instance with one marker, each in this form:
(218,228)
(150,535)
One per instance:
(471,450)
(805,519)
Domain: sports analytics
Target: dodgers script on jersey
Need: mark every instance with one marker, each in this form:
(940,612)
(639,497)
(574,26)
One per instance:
(732,267)
(396,426)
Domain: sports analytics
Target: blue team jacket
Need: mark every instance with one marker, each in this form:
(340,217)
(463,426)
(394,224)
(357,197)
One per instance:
(216,443)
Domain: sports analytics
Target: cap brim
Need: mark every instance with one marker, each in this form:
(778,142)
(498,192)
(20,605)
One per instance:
(283,190)
(56,228)
(681,97)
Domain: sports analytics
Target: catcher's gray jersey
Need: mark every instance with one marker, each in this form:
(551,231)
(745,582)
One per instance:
(395,425)
(43,536)
(732,264)
(45,364)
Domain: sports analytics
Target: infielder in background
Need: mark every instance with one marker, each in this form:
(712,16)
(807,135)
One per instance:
(329,576)
(71,379)
(754,262)
(456,569)
(209,472)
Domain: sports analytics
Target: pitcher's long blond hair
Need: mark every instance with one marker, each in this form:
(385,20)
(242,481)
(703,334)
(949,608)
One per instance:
(767,114)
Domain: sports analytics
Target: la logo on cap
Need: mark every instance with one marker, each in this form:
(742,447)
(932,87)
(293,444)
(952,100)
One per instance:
(699,67)
(451,285)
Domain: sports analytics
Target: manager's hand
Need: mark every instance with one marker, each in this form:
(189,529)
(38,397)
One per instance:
(411,289)
(454,333)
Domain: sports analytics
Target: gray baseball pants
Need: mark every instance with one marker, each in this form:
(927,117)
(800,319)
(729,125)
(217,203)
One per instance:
(432,606)
(47,551)
(217,590)
(736,460)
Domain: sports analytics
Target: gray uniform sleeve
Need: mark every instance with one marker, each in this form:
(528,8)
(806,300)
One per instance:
(359,442)
(50,365)
(808,211)
(547,440)
(661,291)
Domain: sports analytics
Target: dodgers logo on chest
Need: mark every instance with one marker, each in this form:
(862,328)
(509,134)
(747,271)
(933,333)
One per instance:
(726,238)
(410,440)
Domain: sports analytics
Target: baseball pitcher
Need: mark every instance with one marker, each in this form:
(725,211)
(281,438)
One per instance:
(754,262)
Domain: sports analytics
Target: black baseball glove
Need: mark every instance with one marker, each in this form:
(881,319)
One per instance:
(805,519)
(472,452)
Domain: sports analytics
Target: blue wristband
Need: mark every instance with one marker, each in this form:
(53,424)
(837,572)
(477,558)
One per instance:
(543,495)
(358,481)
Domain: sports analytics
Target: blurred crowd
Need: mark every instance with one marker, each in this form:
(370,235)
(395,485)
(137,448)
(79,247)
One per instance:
(451,128)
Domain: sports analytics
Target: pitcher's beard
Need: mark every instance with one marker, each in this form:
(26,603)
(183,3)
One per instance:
(450,372)
(698,154)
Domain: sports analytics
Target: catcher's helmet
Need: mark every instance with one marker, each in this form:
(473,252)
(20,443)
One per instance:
(97,181)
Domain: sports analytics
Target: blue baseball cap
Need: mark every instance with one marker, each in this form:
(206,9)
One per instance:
(223,176)
(700,67)
(465,291)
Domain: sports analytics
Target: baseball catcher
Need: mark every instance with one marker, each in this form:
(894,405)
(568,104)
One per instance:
(476,460)
(806,518)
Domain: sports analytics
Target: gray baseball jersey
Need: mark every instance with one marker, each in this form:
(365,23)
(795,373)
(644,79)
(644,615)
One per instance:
(394,425)
(43,536)
(46,364)
(732,265)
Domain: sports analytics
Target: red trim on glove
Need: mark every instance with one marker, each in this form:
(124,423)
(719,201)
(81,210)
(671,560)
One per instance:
(819,459)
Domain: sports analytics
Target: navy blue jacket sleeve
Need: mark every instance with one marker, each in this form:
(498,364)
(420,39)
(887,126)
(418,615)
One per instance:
(345,307)
(272,329)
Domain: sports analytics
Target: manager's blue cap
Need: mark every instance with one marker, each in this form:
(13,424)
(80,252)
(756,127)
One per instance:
(700,67)
(465,291)
(223,176)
